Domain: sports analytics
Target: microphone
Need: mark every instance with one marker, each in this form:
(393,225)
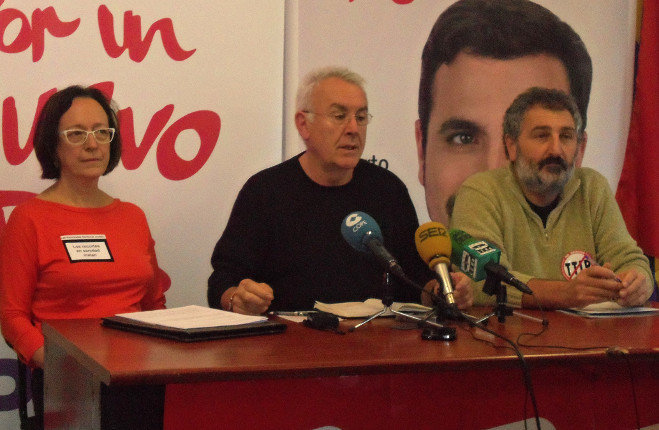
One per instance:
(479,258)
(361,231)
(434,246)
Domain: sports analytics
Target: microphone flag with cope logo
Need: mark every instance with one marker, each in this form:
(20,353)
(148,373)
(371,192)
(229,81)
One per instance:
(471,255)
(363,233)
(358,228)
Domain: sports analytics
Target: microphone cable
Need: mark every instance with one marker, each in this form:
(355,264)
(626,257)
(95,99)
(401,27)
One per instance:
(615,352)
(543,319)
(545,325)
(528,383)
(612,352)
(526,373)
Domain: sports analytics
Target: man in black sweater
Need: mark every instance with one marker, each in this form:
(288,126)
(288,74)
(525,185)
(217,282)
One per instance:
(282,248)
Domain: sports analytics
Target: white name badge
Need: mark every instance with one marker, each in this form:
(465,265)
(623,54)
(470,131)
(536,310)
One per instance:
(87,248)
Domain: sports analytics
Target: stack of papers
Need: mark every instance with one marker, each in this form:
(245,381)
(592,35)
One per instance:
(192,316)
(611,309)
(367,308)
(193,323)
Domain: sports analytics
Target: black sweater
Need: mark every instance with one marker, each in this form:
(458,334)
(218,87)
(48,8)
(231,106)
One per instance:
(285,230)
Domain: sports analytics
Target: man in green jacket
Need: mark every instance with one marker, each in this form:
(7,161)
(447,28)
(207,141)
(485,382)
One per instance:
(557,224)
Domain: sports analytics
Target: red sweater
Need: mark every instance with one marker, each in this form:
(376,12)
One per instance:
(59,261)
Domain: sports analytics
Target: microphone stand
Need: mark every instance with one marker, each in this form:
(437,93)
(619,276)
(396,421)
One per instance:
(387,301)
(433,331)
(501,310)
(436,330)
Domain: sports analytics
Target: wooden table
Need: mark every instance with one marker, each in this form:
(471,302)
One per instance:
(376,377)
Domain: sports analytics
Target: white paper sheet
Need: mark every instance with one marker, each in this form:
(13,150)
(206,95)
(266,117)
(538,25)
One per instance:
(192,316)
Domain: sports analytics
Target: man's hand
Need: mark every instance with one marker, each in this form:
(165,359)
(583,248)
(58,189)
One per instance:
(463,293)
(592,285)
(636,288)
(250,297)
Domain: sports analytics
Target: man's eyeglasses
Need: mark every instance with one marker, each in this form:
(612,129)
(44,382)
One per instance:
(340,118)
(77,137)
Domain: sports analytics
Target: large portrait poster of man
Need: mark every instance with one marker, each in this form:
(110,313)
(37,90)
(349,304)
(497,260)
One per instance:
(384,42)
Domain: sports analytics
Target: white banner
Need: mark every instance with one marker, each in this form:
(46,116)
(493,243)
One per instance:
(199,86)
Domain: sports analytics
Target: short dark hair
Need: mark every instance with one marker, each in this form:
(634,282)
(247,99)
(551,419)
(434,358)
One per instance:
(552,99)
(46,134)
(503,29)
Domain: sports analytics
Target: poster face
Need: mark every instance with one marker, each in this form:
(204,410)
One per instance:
(383,42)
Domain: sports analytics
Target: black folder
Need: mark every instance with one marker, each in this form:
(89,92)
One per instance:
(194,334)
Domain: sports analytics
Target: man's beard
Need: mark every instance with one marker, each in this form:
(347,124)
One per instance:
(538,181)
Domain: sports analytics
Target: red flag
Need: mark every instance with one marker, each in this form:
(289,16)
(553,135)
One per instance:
(638,189)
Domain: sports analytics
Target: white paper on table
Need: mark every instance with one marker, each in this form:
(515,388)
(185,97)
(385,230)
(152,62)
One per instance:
(192,316)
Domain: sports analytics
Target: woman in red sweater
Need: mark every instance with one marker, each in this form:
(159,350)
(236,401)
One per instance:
(73,251)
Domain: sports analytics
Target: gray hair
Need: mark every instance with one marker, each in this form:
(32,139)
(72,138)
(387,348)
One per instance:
(313,78)
(552,99)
